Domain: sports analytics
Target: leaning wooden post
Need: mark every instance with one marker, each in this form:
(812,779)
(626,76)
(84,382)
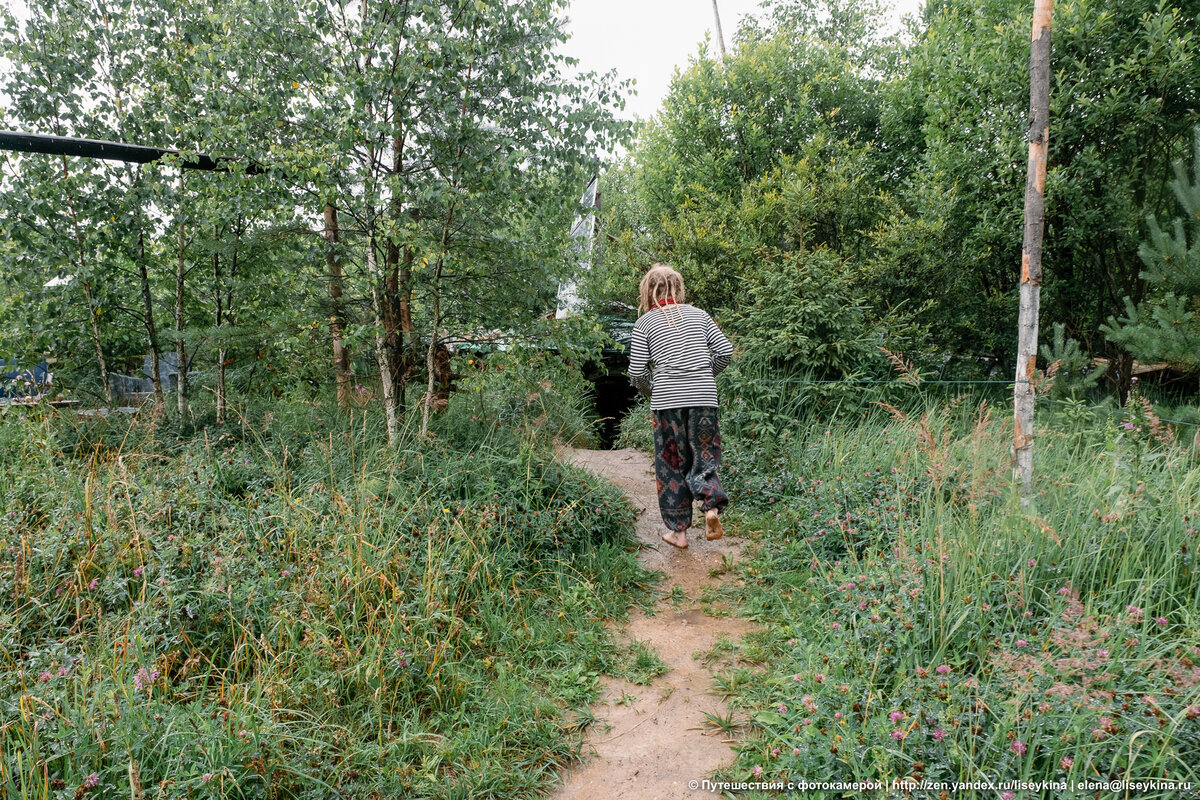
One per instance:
(1031,251)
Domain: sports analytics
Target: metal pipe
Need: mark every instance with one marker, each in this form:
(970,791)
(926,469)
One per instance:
(110,151)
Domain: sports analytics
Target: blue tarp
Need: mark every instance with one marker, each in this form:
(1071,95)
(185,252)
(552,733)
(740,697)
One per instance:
(19,381)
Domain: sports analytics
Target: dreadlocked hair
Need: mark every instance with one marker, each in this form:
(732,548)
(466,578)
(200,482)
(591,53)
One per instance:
(661,287)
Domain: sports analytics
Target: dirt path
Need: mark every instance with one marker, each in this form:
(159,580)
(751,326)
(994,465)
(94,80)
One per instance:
(652,740)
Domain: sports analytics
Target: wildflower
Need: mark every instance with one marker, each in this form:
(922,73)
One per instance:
(93,584)
(91,781)
(791,642)
(898,735)
(1128,426)
(137,572)
(795,751)
(896,716)
(922,672)
(837,626)
(287,573)
(1027,614)
(45,676)
(819,677)
(1135,613)
(837,715)
(63,671)
(1064,591)
(943,669)
(206,777)
(939,734)
(1098,733)
(1022,643)
(1019,747)
(1044,707)
(1192,712)
(1007,795)
(143,677)
(161,581)
(796,677)
(757,771)
(1066,762)
(1161,620)
(775,752)
(987,606)
(781,708)
(1032,562)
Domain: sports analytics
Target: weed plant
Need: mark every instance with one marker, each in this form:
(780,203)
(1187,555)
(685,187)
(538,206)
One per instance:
(285,607)
(637,430)
(922,625)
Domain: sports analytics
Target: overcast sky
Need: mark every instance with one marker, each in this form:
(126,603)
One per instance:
(647,39)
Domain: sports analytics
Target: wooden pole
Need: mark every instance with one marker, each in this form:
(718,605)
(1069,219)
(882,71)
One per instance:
(720,36)
(1031,251)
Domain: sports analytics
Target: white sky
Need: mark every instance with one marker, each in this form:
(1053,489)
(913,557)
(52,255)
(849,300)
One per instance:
(647,39)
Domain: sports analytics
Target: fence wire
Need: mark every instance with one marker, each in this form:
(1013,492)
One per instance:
(923,382)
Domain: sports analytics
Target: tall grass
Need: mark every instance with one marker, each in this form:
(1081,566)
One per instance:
(921,624)
(285,607)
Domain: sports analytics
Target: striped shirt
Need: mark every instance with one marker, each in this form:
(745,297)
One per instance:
(687,351)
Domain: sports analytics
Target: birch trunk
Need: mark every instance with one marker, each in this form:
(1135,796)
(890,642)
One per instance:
(387,376)
(337,321)
(181,387)
(148,321)
(218,321)
(1031,251)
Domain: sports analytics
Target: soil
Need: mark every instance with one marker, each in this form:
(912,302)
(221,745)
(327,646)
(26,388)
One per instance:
(651,741)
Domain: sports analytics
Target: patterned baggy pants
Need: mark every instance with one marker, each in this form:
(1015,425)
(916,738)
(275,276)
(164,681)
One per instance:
(687,453)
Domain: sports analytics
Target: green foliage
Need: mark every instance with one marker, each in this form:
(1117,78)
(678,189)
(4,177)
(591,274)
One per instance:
(923,625)
(456,183)
(535,385)
(1167,327)
(1123,101)
(286,606)
(637,427)
(1068,367)
(799,313)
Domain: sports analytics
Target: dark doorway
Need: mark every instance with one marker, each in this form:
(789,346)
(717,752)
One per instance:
(614,396)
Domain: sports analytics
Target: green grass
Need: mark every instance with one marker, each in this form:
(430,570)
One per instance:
(918,622)
(285,607)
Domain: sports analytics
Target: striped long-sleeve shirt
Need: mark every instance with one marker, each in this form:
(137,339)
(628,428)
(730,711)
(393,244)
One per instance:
(686,352)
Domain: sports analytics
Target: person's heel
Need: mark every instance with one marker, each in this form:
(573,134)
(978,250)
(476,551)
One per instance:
(712,525)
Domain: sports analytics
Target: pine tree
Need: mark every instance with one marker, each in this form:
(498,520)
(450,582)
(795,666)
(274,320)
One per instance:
(1167,327)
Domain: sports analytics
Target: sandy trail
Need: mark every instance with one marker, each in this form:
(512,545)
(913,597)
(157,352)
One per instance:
(651,741)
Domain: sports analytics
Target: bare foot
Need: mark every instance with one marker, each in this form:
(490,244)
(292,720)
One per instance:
(676,539)
(712,525)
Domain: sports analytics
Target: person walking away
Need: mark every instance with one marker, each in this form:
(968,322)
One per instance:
(674,358)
